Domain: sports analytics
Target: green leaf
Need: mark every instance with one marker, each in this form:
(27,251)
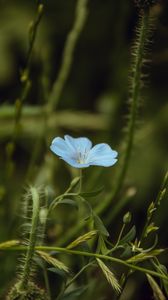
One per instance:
(99,225)
(91,194)
(162,269)
(127,252)
(101,247)
(69,202)
(74,294)
(129,236)
(58,272)
(157,293)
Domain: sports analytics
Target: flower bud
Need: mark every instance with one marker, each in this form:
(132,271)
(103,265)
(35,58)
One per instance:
(127,218)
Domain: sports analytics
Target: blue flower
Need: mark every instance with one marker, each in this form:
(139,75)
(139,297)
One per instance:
(79,153)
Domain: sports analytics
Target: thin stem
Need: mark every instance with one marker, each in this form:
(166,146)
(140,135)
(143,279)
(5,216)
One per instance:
(32,239)
(80,181)
(26,85)
(73,279)
(80,19)
(25,73)
(46,282)
(96,255)
(78,274)
(118,240)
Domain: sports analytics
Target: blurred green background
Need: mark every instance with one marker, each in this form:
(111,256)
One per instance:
(94,103)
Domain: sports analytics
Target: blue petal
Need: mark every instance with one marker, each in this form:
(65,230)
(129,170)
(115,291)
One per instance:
(81,144)
(60,147)
(102,155)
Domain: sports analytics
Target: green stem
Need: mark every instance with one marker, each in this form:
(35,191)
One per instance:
(32,239)
(46,282)
(78,274)
(96,255)
(26,72)
(81,14)
(26,85)
(118,240)
(80,182)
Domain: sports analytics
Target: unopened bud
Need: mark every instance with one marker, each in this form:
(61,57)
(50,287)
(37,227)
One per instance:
(127,218)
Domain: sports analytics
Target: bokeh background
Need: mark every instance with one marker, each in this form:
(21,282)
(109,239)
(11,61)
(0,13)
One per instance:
(94,103)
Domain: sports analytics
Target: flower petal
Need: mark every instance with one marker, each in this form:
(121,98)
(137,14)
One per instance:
(60,147)
(81,144)
(102,155)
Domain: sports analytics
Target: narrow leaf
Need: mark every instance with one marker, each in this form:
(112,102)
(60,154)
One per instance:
(99,225)
(91,194)
(157,293)
(69,202)
(129,236)
(74,294)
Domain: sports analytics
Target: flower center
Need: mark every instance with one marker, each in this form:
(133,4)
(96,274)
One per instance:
(82,156)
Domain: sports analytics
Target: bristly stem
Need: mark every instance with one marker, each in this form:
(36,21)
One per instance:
(80,19)
(32,239)
(135,91)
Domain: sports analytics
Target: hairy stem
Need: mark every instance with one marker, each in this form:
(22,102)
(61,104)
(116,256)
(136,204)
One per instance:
(32,239)
(139,55)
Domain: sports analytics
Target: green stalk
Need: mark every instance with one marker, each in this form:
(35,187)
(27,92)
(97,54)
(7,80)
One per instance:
(68,54)
(32,239)
(96,255)
(80,181)
(24,78)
